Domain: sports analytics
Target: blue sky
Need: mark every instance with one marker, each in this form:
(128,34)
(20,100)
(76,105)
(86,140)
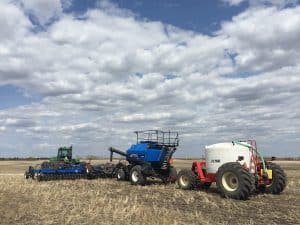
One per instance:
(88,73)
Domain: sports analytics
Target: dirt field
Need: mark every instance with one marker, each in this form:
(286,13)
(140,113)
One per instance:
(105,201)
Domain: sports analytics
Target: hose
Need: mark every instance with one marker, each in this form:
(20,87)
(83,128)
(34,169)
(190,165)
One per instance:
(250,146)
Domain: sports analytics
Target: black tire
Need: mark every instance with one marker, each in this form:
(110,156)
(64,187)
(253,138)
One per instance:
(39,177)
(186,179)
(136,176)
(26,175)
(89,171)
(234,181)
(279,179)
(121,175)
(172,174)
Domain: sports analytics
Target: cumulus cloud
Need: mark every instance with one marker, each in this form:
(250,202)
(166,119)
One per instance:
(264,39)
(107,73)
(44,11)
(278,3)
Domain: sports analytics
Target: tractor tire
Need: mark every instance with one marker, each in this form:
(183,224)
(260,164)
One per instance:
(121,175)
(234,181)
(89,172)
(39,177)
(279,180)
(186,179)
(136,176)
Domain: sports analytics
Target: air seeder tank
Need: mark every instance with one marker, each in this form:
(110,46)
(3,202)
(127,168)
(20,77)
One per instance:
(218,154)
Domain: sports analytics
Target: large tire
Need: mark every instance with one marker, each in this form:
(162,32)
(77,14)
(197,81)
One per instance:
(234,181)
(136,176)
(186,179)
(279,179)
(89,171)
(121,175)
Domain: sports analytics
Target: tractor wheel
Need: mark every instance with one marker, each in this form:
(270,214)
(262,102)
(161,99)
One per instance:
(39,177)
(234,181)
(89,171)
(279,180)
(186,179)
(121,175)
(136,176)
(26,175)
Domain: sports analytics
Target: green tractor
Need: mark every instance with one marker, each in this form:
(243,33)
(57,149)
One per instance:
(63,158)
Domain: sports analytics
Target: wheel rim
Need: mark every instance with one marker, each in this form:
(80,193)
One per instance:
(135,176)
(270,183)
(184,181)
(119,175)
(230,181)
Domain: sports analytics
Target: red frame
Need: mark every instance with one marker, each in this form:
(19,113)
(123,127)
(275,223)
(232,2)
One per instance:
(198,168)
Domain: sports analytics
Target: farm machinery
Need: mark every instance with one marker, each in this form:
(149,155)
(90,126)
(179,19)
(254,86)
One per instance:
(238,170)
(63,166)
(151,156)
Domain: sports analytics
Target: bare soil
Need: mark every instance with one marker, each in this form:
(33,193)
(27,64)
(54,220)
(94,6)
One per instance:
(106,201)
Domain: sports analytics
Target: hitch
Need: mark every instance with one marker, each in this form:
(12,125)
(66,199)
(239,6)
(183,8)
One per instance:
(29,173)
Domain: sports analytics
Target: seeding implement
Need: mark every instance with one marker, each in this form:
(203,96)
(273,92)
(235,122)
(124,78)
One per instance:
(151,156)
(63,166)
(238,170)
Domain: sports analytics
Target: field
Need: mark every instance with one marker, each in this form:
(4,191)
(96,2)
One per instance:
(105,201)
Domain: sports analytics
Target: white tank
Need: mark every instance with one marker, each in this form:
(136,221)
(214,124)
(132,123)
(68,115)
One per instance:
(218,154)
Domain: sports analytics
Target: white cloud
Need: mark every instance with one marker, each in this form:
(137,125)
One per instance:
(44,11)
(13,25)
(110,73)
(264,45)
(233,2)
(279,3)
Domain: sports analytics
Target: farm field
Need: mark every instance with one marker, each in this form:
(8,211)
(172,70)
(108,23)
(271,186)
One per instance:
(106,201)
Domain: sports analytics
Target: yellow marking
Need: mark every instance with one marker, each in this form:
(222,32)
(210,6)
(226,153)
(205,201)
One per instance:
(267,173)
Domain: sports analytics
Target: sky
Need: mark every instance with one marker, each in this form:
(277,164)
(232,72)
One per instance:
(89,73)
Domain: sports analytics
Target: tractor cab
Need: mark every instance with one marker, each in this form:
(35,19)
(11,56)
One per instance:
(64,153)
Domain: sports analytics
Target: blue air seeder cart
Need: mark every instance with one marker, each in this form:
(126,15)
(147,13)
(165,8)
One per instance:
(151,156)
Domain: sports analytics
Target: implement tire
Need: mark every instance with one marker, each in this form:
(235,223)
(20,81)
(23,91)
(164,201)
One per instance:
(136,176)
(186,179)
(234,181)
(279,179)
(121,175)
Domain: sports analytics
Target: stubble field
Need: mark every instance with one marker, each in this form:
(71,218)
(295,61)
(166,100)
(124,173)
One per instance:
(106,201)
